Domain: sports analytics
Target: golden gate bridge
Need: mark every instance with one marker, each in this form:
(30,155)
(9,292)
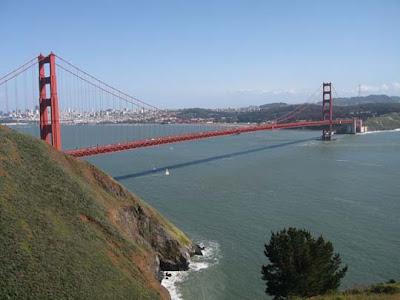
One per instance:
(52,91)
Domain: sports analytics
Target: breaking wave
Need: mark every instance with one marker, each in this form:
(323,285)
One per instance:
(211,256)
(380,131)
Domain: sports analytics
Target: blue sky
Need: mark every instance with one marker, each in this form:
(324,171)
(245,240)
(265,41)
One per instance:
(214,53)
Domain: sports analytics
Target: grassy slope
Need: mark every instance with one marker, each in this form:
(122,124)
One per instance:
(385,122)
(383,291)
(58,237)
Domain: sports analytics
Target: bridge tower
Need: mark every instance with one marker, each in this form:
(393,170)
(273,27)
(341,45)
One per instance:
(327,109)
(48,101)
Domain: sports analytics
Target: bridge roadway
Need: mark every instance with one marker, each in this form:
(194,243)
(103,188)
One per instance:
(89,151)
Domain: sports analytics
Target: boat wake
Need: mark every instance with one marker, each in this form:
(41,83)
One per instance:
(211,256)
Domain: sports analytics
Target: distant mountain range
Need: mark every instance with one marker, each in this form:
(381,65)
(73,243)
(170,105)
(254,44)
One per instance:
(367,99)
(273,105)
(349,101)
(360,107)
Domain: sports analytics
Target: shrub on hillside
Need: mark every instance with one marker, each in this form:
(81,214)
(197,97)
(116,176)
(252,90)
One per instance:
(300,265)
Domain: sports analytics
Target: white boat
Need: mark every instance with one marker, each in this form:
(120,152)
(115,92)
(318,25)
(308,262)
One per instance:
(166,172)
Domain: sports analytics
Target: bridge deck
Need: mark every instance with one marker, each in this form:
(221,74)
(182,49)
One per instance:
(89,151)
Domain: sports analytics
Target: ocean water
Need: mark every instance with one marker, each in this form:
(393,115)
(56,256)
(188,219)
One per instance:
(229,193)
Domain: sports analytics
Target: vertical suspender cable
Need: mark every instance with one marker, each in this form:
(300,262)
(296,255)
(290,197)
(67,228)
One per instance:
(16,96)
(6,95)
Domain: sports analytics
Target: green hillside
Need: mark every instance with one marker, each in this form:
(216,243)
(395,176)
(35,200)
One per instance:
(384,122)
(381,291)
(68,230)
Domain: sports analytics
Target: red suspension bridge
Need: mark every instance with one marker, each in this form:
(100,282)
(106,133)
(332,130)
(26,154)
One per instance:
(69,95)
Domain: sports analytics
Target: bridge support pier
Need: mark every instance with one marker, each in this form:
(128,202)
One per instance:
(360,127)
(354,126)
(48,102)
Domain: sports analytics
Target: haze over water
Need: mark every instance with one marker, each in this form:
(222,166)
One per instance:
(231,192)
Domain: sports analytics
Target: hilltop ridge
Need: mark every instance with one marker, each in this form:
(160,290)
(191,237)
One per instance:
(68,230)
(360,107)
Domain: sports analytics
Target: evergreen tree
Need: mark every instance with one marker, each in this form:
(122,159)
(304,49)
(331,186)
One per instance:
(300,265)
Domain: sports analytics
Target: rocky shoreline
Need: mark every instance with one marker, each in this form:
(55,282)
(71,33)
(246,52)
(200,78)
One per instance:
(171,249)
(181,263)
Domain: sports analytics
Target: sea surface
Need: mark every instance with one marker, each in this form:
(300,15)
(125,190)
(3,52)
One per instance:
(229,193)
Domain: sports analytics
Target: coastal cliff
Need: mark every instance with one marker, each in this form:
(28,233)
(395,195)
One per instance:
(68,230)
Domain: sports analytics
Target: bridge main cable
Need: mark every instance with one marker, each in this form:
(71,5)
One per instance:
(299,109)
(104,83)
(98,86)
(14,73)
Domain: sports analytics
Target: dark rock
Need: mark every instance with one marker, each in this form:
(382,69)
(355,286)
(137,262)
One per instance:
(197,249)
(160,275)
(181,264)
(170,254)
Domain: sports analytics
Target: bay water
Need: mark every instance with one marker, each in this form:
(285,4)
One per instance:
(229,193)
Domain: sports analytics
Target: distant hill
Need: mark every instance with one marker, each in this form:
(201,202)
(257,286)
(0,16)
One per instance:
(308,112)
(273,105)
(384,122)
(313,112)
(69,231)
(365,108)
(367,99)
(346,101)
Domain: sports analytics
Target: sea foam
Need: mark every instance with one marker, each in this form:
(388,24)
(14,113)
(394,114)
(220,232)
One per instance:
(380,131)
(210,257)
